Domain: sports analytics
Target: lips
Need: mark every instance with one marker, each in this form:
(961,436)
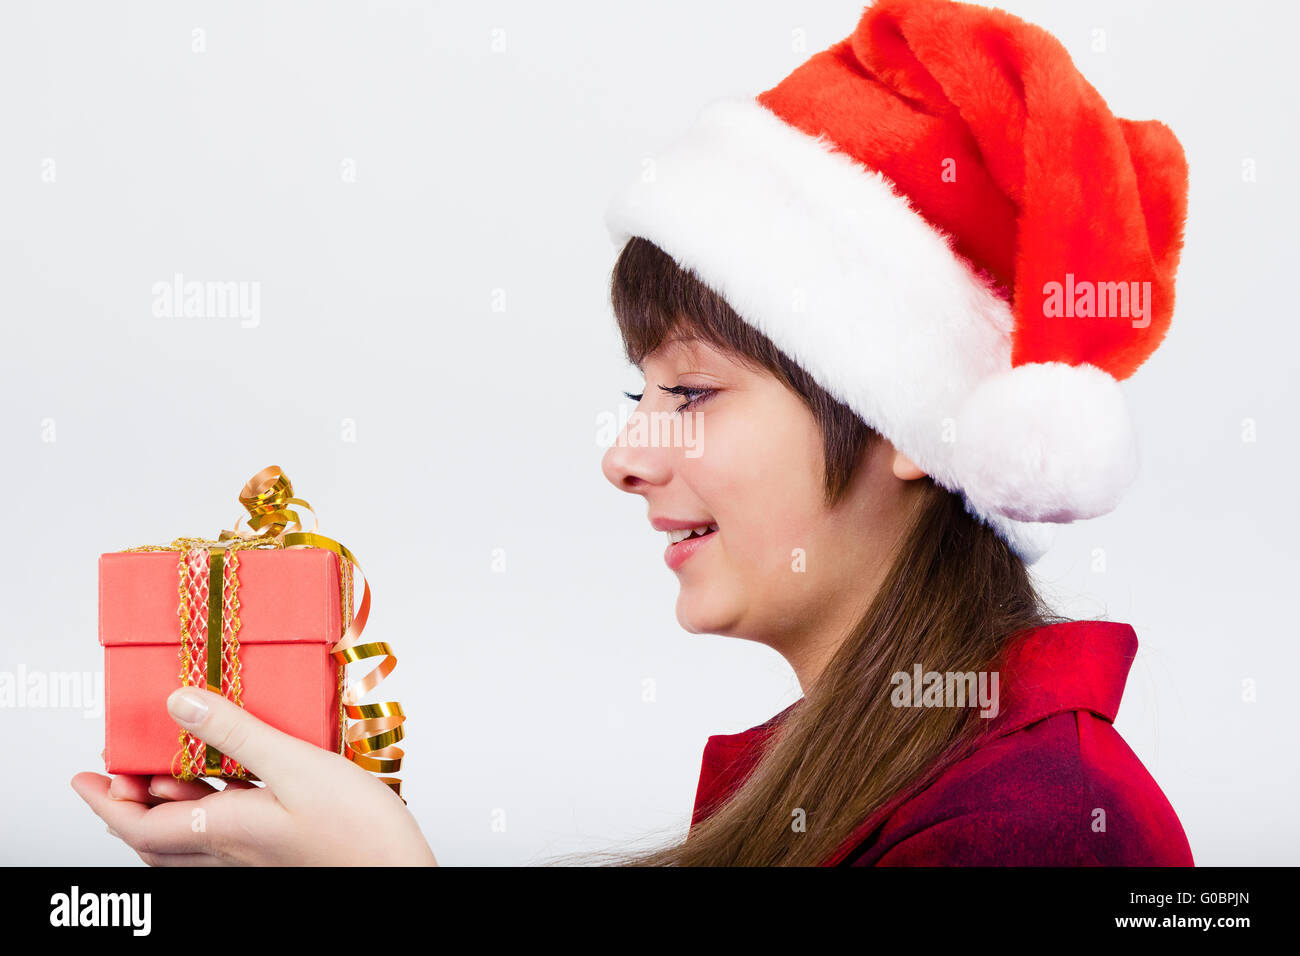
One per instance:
(685,537)
(684,542)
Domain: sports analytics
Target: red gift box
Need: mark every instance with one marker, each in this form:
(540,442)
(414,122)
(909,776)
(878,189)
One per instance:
(292,606)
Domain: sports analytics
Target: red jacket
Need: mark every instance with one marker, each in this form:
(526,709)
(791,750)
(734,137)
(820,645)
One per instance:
(1054,784)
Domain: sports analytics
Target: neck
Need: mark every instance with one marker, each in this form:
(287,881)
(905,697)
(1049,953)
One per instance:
(809,658)
(809,649)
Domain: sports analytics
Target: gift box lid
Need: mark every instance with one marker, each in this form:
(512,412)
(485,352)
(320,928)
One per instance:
(286,596)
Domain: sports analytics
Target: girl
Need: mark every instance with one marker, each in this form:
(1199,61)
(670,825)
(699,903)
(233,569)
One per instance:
(895,294)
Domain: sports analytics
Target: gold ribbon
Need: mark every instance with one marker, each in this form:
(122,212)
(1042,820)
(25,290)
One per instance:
(222,617)
(216,621)
(371,742)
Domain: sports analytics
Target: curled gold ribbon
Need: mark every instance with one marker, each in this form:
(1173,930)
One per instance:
(371,742)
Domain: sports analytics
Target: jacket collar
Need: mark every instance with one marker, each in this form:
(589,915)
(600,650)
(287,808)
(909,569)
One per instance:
(1074,665)
(1068,666)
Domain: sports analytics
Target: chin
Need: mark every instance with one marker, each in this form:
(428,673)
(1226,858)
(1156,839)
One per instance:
(700,613)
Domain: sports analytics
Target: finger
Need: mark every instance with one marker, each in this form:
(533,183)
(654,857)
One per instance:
(169,788)
(271,755)
(130,786)
(165,828)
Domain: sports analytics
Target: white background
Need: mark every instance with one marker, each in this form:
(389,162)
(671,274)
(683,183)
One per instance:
(479,170)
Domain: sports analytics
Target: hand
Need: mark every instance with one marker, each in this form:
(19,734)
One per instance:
(317,808)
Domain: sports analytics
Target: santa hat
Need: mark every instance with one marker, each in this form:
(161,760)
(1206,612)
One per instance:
(942,222)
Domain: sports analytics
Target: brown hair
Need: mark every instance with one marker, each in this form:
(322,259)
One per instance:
(953,596)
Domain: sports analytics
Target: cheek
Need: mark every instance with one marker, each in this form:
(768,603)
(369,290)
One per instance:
(762,484)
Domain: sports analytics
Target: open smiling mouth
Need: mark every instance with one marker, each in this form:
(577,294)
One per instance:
(685,542)
(684,533)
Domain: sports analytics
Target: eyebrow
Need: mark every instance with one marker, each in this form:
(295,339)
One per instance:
(680,341)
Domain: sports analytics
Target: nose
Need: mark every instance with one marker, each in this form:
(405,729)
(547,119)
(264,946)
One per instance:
(632,467)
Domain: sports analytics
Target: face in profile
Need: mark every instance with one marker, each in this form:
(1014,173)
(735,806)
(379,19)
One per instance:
(766,558)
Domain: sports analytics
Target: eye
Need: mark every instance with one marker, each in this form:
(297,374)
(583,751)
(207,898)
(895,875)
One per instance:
(692,395)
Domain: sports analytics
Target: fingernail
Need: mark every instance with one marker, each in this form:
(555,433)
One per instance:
(187,707)
(112,832)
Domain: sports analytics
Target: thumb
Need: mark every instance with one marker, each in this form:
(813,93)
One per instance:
(275,757)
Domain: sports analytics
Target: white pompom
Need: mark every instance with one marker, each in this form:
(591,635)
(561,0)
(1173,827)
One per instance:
(1046,442)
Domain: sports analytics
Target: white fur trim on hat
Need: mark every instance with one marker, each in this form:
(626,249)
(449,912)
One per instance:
(831,263)
(1046,442)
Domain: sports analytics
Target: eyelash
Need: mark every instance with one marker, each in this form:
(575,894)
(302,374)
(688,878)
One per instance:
(694,395)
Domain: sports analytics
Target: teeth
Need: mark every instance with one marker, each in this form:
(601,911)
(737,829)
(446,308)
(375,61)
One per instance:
(684,533)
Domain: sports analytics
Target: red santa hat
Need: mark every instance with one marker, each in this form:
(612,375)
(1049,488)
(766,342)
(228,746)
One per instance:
(943,223)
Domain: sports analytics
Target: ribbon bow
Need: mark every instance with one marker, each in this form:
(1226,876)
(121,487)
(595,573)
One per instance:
(371,741)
